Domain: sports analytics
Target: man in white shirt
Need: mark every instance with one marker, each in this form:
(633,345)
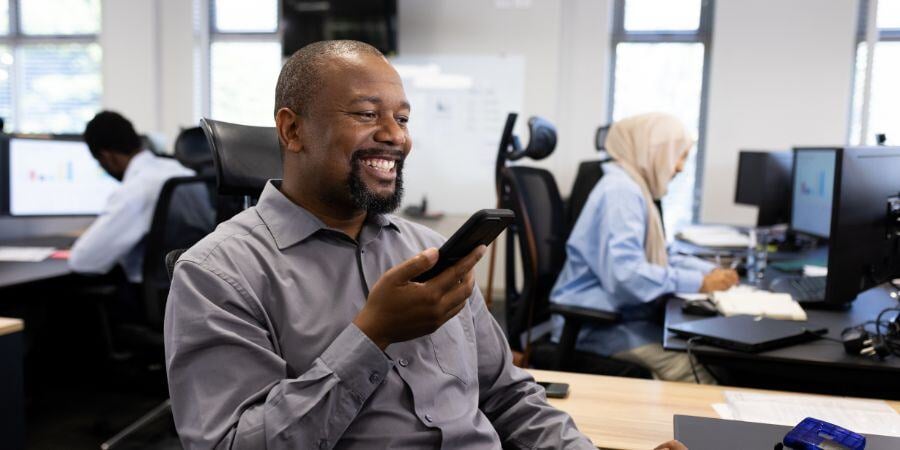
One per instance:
(118,233)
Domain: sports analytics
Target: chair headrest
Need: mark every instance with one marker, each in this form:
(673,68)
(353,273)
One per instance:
(192,149)
(600,137)
(245,156)
(542,138)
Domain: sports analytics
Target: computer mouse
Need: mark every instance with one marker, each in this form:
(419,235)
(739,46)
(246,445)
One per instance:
(699,308)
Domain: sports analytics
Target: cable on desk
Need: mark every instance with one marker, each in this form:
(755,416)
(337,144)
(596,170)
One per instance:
(880,342)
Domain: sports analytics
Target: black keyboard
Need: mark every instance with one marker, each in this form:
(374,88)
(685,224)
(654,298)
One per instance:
(807,289)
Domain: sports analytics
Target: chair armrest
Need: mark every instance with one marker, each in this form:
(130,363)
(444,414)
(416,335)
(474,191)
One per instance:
(587,315)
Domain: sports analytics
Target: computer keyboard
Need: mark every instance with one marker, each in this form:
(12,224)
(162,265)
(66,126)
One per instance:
(807,289)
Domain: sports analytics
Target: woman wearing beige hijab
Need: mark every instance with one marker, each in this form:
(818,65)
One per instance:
(616,254)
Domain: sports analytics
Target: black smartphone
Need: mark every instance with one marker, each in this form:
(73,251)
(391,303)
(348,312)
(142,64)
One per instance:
(555,390)
(481,229)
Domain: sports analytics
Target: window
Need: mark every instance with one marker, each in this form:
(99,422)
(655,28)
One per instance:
(244,60)
(50,73)
(876,93)
(660,49)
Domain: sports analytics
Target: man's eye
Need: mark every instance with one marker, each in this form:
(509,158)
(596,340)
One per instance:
(403,120)
(367,115)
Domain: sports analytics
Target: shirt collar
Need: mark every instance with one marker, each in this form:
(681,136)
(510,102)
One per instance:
(138,161)
(290,223)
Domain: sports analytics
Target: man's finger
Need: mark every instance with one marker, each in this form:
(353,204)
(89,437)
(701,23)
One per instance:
(412,267)
(449,278)
(459,294)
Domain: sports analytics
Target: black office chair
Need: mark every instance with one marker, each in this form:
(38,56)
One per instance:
(183,215)
(540,231)
(192,151)
(245,157)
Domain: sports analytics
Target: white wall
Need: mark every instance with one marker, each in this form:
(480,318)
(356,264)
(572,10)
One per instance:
(566,50)
(780,76)
(148,63)
(130,61)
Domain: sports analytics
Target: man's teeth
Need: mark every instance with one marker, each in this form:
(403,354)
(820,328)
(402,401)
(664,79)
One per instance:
(380,164)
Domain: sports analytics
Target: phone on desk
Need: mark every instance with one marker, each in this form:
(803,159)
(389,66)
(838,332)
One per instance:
(481,229)
(555,390)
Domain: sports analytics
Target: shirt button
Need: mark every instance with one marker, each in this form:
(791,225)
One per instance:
(428,418)
(374,378)
(403,362)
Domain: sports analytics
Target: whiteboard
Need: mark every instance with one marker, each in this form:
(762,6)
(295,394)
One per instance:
(459,107)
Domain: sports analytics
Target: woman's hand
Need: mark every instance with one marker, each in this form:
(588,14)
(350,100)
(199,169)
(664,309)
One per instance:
(719,280)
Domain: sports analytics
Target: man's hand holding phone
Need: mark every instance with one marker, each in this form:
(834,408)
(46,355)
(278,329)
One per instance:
(399,309)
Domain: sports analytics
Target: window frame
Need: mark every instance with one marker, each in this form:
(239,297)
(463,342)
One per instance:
(702,35)
(215,35)
(16,39)
(862,37)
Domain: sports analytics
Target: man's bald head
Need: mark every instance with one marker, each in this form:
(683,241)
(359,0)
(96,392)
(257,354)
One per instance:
(301,76)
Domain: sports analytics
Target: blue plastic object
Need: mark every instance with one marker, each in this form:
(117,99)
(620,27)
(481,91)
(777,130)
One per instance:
(815,434)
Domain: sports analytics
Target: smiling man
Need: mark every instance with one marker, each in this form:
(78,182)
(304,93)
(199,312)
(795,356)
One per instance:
(295,324)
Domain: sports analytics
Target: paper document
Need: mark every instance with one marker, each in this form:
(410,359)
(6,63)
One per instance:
(814,271)
(25,254)
(743,300)
(714,236)
(692,297)
(861,416)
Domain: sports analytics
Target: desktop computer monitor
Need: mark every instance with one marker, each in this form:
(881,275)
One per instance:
(864,247)
(764,181)
(53,177)
(813,183)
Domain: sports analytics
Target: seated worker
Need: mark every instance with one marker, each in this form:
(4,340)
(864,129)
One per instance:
(118,233)
(616,258)
(295,324)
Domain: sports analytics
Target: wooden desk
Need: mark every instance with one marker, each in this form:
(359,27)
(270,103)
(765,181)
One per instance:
(12,393)
(9,326)
(631,413)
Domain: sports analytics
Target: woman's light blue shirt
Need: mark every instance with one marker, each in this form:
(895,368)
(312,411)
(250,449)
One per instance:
(606,268)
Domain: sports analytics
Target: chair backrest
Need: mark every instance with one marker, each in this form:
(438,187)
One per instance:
(183,215)
(192,151)
(245,157)
(540,230)
(589,173)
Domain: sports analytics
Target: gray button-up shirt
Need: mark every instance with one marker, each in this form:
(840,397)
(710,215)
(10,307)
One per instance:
(261,351)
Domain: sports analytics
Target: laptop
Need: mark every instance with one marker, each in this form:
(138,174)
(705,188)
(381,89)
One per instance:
(748,333)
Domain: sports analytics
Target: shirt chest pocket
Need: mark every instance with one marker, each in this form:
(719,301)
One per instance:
(454,349)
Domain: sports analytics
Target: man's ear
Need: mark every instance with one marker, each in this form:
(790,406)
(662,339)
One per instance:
(288,125)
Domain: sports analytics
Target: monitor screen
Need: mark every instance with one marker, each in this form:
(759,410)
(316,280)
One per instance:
(55,178)
(813,191)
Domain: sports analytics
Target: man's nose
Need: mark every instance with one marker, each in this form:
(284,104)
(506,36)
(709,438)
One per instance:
(391,132)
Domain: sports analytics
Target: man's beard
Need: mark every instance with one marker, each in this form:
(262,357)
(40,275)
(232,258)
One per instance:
(364,198)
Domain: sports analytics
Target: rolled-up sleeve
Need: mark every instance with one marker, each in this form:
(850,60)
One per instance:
(231,389)
(516,405)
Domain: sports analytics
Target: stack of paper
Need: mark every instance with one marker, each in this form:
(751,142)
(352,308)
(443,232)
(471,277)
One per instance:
(743,300)
(861,416)
(714,236)
(25,254)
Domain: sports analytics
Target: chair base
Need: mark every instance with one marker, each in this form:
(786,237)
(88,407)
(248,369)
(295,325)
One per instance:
(164,408)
